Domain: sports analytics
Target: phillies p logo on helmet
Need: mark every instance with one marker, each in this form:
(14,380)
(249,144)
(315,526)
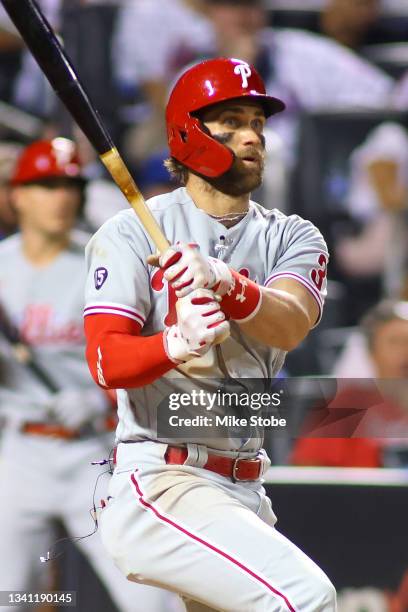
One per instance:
(245,71)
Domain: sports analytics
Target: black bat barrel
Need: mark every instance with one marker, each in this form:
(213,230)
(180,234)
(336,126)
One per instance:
(57,67)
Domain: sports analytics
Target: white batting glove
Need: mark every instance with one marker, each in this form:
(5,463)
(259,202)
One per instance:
(75,408)
(200,325)
(186,269)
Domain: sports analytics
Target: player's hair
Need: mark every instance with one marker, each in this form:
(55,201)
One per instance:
(178,171)
(383,312)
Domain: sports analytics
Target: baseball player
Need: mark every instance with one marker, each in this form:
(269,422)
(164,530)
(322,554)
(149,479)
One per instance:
(57,423)
(239,287)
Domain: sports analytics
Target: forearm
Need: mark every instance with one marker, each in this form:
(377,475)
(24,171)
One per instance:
(281,321)
(118,357)
(274,316)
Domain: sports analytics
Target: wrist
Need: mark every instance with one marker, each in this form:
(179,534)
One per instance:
(243,299)
(222,276)
(175,346)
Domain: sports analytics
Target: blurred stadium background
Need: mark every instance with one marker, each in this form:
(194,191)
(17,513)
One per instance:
(339,158)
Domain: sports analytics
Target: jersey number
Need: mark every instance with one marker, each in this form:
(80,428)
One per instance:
(319,274)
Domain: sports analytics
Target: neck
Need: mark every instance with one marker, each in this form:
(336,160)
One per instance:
(214,202)
(41,249)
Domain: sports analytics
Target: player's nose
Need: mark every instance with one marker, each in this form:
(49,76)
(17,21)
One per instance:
(64,202)
(249,137)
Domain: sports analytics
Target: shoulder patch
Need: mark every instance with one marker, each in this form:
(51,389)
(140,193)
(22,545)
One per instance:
(100,276)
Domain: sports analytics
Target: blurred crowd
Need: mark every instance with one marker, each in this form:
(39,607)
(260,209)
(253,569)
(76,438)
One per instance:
(338,155)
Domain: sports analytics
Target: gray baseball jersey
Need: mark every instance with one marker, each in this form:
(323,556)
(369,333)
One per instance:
(265,245)
(44,305)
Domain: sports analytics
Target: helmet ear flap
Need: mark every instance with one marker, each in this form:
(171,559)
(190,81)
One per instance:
(194,147)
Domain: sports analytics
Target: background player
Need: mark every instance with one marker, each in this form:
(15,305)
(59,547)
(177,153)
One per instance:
(193,517)
(50,438)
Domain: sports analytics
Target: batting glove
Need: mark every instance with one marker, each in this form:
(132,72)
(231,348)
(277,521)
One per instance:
(186,269)
(200,325)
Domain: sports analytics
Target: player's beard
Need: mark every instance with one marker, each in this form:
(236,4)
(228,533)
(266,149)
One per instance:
(239,179)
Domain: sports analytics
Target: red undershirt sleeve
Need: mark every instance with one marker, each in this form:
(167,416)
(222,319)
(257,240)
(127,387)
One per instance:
(119,357)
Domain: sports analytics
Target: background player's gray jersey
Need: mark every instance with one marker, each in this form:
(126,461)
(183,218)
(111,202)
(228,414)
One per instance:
(44,304)
(266,245)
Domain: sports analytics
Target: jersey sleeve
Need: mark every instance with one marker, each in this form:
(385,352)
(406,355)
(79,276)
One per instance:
(301,255)
(118,280)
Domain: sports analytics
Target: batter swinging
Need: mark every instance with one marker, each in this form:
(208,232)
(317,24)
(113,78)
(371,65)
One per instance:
(240,286)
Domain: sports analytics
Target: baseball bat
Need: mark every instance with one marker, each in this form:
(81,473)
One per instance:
(23,354)
(57,67)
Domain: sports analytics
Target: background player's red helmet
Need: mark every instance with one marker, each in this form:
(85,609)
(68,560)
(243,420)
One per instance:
(46,159)
(203,85)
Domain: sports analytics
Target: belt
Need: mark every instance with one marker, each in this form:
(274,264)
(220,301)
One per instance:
(59,431)
(46,429)
(239,469)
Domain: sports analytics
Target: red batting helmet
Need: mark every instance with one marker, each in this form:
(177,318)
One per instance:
(46,159)
(203,85)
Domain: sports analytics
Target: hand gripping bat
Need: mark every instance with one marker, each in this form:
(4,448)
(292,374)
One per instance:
(57,67)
